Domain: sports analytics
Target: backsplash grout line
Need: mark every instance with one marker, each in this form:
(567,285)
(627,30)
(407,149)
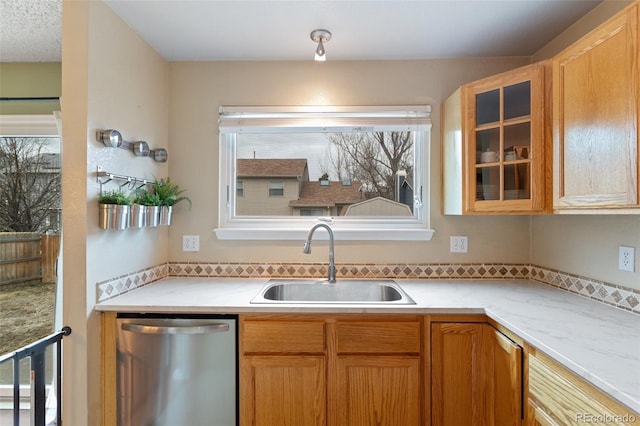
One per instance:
(614,295)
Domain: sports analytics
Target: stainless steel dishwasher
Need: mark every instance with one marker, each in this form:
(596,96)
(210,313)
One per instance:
(177,371)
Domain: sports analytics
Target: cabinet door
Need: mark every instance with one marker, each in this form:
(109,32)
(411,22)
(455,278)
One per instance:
(476,376)
(505,134)
(505,391)
(596,104)
(456,374)
(283,390)
(378,390)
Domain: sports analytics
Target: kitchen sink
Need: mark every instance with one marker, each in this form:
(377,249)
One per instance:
(342,291)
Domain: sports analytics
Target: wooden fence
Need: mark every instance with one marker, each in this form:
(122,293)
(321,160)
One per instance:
(28,256)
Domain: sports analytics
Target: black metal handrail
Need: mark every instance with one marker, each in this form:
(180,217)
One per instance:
(36,351)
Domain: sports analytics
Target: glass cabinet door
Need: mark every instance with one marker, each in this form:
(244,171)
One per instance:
(505,141)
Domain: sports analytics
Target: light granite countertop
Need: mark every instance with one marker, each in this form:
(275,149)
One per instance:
(598,342)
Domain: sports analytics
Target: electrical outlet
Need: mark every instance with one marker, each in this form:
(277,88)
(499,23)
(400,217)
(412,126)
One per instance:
(190,243)
(626,258)
(459,244)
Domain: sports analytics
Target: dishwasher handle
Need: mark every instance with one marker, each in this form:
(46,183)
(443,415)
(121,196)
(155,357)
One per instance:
(176,329)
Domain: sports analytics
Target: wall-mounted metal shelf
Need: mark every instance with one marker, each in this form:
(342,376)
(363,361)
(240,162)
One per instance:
(103,177)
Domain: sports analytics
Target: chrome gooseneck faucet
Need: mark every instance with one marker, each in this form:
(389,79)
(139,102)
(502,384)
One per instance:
(307,248)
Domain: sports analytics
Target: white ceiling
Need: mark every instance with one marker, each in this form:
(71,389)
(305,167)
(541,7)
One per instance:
(279,29)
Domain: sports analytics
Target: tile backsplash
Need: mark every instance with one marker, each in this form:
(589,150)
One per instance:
(620,297)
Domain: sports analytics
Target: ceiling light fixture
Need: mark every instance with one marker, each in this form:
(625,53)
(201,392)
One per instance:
(320,37)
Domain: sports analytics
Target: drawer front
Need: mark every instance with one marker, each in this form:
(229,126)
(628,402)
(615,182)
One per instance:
(568,400)
(282,337)
(378,337)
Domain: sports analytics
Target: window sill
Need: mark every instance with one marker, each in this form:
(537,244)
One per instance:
(372,234)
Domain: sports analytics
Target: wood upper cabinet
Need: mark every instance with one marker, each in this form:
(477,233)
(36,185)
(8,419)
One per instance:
(495,134)
(476,376)
(596,105)
(558,397)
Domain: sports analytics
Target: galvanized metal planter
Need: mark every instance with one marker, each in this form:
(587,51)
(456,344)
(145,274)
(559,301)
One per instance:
(114,216)
(165,215)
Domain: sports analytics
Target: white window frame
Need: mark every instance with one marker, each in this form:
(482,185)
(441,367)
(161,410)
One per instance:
(234,120)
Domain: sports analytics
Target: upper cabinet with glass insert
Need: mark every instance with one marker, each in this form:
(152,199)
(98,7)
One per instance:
(495,133)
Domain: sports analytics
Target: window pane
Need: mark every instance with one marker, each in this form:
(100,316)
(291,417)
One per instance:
(328,174)
(488,107)
(517,100)
(276,189)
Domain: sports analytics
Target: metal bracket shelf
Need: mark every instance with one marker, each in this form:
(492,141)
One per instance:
(133,182)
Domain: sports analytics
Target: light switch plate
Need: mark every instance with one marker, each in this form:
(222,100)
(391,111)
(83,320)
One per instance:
(190,243)
(459,244)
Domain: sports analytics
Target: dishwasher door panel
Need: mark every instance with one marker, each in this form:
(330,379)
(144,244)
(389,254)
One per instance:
(178,371)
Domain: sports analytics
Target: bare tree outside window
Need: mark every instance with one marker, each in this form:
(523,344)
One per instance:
(374,159)
(29,185)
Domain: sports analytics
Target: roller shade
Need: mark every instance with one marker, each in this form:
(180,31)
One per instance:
(235,119)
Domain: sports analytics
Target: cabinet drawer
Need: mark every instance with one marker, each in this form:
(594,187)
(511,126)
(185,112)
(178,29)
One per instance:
(378,337)
(283,337)
(563,397)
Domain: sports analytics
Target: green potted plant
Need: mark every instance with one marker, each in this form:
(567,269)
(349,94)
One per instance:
(114,209)
(148,211)
(170,194)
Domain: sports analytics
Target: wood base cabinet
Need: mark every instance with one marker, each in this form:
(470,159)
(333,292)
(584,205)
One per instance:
(476,376)
(331,370)
(596,116)
(558,397)
(378,390)
(284,390)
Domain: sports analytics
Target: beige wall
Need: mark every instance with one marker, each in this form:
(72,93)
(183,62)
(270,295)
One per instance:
(110,79)
(28,80)
(199,88)
(586,245)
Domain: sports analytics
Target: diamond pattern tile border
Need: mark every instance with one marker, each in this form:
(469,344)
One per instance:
(114,287)
(611,294)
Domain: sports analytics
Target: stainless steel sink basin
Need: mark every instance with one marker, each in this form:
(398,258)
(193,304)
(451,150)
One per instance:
(343,291)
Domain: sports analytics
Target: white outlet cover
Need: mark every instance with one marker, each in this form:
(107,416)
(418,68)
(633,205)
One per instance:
(459,244)
(626,258)
(190,243)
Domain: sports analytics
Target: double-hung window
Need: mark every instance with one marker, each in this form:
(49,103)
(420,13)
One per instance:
(364,170)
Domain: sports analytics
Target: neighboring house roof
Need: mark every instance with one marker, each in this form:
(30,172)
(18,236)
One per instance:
(313,194)
(378,206)
(51,160)
(270,167)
